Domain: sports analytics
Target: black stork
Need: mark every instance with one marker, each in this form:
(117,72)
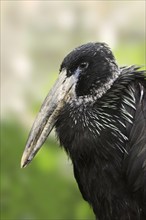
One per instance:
(99,112)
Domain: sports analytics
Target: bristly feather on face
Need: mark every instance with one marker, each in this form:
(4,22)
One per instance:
(99,113)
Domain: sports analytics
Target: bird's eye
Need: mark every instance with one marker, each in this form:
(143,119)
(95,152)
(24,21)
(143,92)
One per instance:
(83,65)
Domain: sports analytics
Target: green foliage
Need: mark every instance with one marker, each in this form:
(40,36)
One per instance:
(130,54)
(45,190)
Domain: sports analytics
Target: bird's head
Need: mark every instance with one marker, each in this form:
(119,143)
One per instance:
(85,75)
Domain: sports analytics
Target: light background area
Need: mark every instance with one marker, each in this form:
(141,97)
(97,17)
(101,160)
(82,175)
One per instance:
(35,37)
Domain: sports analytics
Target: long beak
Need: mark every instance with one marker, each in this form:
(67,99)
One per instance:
(46,118)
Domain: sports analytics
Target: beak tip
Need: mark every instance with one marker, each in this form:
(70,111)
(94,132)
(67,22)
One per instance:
(24,161)
(22,165)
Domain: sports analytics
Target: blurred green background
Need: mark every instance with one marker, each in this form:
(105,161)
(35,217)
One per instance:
(35,36)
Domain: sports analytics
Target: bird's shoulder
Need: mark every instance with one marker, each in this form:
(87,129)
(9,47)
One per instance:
(130,87)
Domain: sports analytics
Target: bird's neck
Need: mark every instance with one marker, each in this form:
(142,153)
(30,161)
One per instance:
(96,91)
(84,130)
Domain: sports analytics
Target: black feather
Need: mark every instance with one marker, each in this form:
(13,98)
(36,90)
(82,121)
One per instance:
(106,137)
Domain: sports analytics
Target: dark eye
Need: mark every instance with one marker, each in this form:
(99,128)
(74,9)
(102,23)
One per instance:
(83,65)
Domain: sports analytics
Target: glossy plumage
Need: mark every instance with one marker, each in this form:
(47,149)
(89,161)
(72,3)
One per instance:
(102,126)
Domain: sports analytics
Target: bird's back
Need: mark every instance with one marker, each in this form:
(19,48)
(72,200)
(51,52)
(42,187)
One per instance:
(134,163)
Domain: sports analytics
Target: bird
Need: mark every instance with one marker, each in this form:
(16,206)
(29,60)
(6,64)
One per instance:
(98,110)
